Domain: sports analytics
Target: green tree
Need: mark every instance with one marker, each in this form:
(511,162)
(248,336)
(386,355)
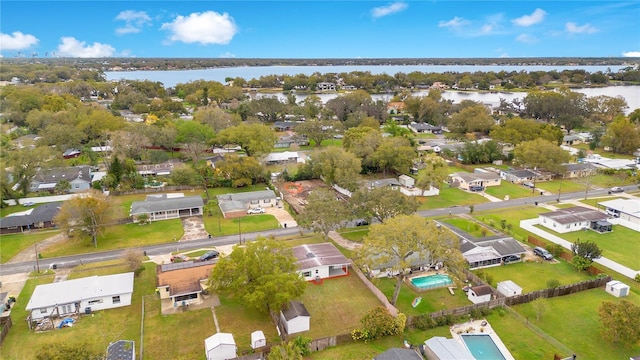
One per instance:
(382,203)
(295,349)
(336,166)
(323,212)
(62,187)
(587,249)
(241,171)
(409,240)
(26,163)
(318,130)
(394,154)
(622,136)
(89,213)
(471,119)
(620,321)
(196,137)
(262,274)
(436,171)
(378,323)
(255,139)
(541,154)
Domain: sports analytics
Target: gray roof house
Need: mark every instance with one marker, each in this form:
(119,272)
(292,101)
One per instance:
(167,206)
(466,180)
(320,261)
(441,348)
(36,218)
(85,294)
(234,205)
(571,219)
(424,128)
(482,252)
(78,176)
(393,183)
(572,171)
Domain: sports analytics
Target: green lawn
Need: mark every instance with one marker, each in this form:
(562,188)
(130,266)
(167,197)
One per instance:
(573,320)
(449,197)
(14,209)
(12,244)
(216,225)
(563,186)
(471,227)
(621,245)
(432,300)
(354,234)
(512,216)
(120,237)
(514,191)
(531,275)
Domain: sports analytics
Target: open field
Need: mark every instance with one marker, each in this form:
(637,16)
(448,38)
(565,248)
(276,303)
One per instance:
(449,197)
(12,244)
(514,191)
(216,225)
(354,234)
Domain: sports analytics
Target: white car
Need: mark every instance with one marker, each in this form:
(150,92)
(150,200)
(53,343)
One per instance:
(255,211)
(617,189)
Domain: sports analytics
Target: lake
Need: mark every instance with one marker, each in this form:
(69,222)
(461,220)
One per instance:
(169,78)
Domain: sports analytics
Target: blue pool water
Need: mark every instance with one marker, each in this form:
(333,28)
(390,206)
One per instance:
(431,281)
(482,347)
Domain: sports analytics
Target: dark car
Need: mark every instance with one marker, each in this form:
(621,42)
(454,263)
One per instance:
(361,222)
(476,188)
(209,255)
(510,259)
(543,253)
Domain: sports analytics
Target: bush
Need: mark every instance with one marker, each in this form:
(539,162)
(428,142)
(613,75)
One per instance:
(475,313)
(378,322)
(553,283)
(637,278)
(424,322)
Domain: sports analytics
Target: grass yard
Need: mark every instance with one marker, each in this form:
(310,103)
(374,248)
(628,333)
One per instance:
(337,305)
(594,201)
(531,275)
(120,237)
(432,300)
(622,245)
(449,197)
(12,244)
(512,216)
(355,234)
(573,320)
(216,225)
(93,332)
(14,209)
(564,186)
(471,227)
(514,191)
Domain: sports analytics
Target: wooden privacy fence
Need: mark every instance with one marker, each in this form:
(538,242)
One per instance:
(6,323)
(559,291)
(564,254)
(383,299)
(323,343)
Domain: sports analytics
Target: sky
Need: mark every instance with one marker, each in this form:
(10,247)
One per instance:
(319,29)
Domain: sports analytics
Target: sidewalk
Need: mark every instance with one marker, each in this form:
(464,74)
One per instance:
(347,244)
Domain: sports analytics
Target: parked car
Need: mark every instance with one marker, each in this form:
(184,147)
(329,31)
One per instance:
(510,259)
(617,189)
(257,210)
(361,222)
(543,253)
(179,258)
(209,255)
(476,188)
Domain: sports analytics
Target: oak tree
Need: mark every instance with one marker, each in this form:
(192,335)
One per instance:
(88,213)
(323,212)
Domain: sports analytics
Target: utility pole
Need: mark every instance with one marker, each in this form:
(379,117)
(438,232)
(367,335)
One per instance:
(239,232)
(35,247)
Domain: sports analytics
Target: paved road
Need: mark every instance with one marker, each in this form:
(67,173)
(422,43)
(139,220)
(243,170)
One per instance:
(69,261)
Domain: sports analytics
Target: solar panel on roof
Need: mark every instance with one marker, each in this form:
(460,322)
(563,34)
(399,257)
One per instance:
(310,255)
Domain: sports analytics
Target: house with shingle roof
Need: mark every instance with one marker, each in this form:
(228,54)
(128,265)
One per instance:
(320,261)
(79,177)
(183,282)
(167,206)
(466,180)
(571,219)
(40,217)
(424,128)
(235,205)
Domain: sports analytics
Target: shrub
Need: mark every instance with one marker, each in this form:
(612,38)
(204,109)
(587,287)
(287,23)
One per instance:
(424,322)
(378,323)
(475,313)
(553,283)
(501,312)
(637,278)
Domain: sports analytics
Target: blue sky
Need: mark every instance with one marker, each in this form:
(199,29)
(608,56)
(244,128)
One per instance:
(320,29)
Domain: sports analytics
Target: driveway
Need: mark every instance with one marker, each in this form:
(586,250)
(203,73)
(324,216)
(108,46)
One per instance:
(193,228)
(284,218)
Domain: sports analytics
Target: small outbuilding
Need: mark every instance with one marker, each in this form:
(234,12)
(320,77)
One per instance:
(258,339)
(617,288)
(508,288)
(479,294)
(295,318)
(220,346)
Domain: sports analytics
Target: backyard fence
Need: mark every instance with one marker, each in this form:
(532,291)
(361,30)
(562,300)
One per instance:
(559,291)
(155,190)
(6,323)
(564,254)
(323,343)
(383,299)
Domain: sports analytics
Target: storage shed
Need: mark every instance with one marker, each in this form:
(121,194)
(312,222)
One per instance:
(617,288)
(508,288)
(258,340)
(220,346)
(479,294)
(295,318)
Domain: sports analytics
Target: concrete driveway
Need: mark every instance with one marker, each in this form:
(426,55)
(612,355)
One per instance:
(284,218)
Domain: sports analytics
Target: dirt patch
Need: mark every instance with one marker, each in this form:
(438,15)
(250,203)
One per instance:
(296,193)
(193,228)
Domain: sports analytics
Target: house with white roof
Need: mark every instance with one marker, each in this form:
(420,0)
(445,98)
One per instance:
(626,211)
(85,294)
(284,157)
(508,288)
(235,205)
(572,219)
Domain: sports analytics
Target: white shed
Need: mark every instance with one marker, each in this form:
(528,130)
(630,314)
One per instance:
(220,346)
(258,340)
(508,288)
(617,288)
(479,294)
(295,318)
(407,181)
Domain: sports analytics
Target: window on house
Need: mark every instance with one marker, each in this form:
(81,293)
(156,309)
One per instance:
(255,201)
(316,271)
(93,302)
(43,311)
(187,297)
(306,274)
(115,299)
(76,186)
(266,201)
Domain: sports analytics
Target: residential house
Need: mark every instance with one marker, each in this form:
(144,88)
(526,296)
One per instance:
(167,206)
(349,87)
(614,164)
(213,160)
(121,350)
(71,153)
(416,262)
(625,211)
(508,288)
(131,117)
(284,125)
(479,294)
(320,261)
(28,140)
(220,346)
(325,86)
(285,157)
(183,282)
(40,217)
(85,294)
(524,176)
(235,205)
(79,177)
(572,219)
(398,354)
(466,181)
(162,169)
(570,140)
(392,183)
(424,128)
(574,171)
(441,348)
(487,252)
(295,318)
(286,141)
(439,85)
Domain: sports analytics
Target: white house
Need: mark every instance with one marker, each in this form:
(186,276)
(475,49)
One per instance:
(167,206)
(320,261)
(508,288)
(285,157)
(220,346)
(258,339)
(479,294)
(627,210)
(617,288)
(85,294)
(465,180)
(295,318)
(235,205)
(571,219)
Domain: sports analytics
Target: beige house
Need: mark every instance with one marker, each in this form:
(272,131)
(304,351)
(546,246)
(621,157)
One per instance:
(467,181)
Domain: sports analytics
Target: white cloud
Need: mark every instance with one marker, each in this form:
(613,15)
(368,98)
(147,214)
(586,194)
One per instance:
(486,29)
(227,55)
(16,41)
(393,8)
(70,47)
(573,28)
(454,23)
(527,20)
(205,28)
(526,38)
(631,54)
(134,21)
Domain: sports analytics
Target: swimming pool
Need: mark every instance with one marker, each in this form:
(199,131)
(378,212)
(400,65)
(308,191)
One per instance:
(482,347)
(431,281)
